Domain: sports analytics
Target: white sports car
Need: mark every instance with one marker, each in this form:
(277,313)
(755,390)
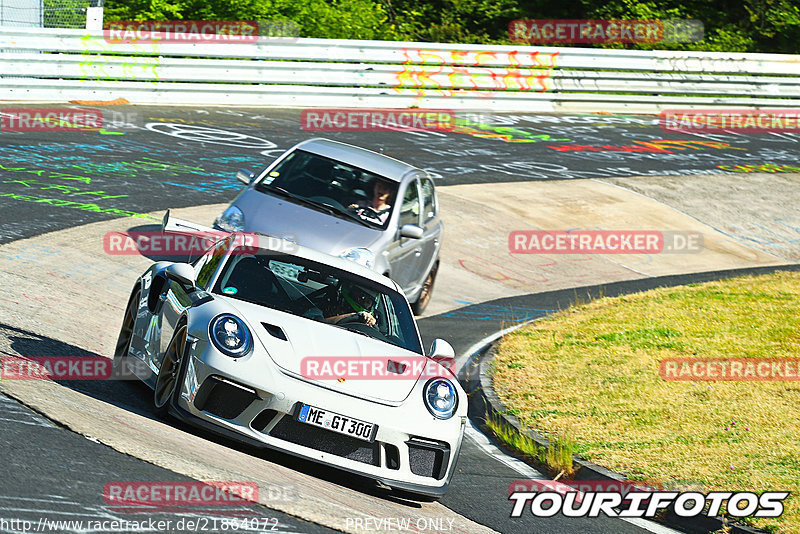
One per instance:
(280,346)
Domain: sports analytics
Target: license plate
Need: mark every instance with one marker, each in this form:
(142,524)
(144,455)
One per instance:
(337,422)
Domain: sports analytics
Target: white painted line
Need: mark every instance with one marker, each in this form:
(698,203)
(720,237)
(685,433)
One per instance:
(464,358)
(517,465)
(10,498)
(87,513)
(8,408)
(44,424)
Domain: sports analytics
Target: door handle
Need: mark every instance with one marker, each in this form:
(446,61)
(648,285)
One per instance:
(417,252)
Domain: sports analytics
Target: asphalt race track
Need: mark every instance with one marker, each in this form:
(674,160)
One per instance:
(156,158)
(148,159)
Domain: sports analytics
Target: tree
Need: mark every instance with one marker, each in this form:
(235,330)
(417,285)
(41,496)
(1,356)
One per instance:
(730,25)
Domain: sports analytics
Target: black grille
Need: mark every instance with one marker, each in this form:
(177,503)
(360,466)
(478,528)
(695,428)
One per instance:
(428,458)
(392,456)
(263,419)
(323,440)
(223,399)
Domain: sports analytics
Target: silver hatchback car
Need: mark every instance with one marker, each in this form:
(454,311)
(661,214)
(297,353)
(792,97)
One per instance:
(343,200)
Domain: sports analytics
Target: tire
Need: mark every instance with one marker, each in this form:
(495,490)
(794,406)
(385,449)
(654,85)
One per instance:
(427,290)
(120,363)
(169,374)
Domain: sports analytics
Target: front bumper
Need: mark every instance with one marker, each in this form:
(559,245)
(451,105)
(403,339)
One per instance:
(252,401)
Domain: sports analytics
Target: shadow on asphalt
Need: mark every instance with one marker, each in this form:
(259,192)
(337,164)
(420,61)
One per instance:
(136,397)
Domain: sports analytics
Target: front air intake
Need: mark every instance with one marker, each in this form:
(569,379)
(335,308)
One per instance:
(223,398)
(428,458)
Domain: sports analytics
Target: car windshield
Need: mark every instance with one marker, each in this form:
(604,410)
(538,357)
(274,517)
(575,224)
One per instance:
(322,293)
(332,186)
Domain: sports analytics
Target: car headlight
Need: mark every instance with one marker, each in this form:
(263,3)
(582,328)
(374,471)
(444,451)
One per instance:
(441,398)
(230,335)
(231,220)
(362,256)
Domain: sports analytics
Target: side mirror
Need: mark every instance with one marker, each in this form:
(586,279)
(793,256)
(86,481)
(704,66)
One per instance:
(181,272)
(442,353)
(442,348)
(411,231)
(245,176)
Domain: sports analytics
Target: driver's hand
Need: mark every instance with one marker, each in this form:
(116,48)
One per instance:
(353,206)
(367,318)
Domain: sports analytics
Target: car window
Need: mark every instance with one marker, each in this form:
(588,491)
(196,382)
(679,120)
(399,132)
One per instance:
(208,263)
(202,259)
(409,211)
(428,199)
(310,179)
(320,293)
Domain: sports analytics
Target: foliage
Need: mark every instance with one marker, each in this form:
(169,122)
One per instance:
(556,457)
(730,25)
(336,19)
(598,370)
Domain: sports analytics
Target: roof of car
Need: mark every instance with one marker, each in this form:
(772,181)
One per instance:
(270,243)
(362,158)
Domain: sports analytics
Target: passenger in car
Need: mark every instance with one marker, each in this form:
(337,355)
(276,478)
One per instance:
(379,208)
(357,304)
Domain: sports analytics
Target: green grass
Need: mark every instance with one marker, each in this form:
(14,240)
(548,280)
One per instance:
(556,457)
(592,372)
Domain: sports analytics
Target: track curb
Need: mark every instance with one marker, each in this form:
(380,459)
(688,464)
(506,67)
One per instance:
(584,469)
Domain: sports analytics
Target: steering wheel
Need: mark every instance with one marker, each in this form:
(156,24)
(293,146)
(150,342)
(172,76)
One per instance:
(353,319)
(369,213)
(350,318)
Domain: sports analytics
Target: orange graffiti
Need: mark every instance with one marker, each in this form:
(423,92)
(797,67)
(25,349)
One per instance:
(433,70)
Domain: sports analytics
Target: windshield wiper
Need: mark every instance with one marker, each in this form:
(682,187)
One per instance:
(287,194)
(349,215)
(280,191)
(351,329)
(332,210)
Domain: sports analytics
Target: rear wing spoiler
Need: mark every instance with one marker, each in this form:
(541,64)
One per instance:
(173,224)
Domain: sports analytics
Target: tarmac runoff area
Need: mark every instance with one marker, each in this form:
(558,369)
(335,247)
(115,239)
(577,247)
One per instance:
(63,286)
(477,265)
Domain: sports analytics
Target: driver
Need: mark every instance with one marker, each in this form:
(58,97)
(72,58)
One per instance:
(361,305)
(379,205)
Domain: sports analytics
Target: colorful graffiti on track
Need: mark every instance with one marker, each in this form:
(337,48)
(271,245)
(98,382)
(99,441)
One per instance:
(663,146)
(764,167)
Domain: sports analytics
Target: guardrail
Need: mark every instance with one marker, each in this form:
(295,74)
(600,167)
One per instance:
(63,65)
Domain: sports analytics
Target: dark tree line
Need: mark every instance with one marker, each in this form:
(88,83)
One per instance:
(730,25)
